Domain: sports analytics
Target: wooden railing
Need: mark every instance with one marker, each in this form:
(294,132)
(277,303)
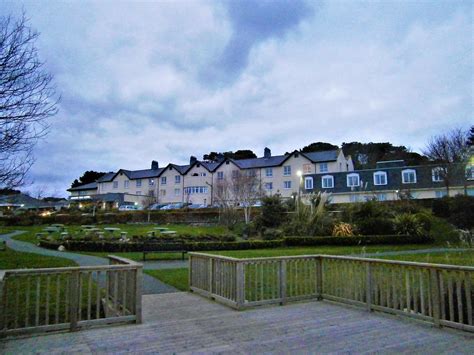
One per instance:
(441,294)
(42,300)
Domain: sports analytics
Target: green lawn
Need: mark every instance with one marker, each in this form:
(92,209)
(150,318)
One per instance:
(465,258)
(11,259)
(175,277)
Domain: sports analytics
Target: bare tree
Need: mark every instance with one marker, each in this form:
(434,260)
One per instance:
(27,99)
(242,190)
(450,151)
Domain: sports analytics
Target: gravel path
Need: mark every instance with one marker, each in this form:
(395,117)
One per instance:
(150,284)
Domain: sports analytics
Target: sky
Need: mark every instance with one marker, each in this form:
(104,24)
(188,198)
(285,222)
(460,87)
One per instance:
(143,81)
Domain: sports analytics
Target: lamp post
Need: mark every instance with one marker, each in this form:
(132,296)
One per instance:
(299,173)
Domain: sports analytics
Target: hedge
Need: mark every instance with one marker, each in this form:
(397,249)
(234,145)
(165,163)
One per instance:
(108,246)
(357,240)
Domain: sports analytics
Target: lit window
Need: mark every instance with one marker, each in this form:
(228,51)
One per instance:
(125,184)
(381,197)
(138,183)
(163,180)
(151,182)
(409,176)
(268,172)
(269,186)
(307,168)
(115,185)
(287,184)
(327,182)
(287,170)
(380,178)
(437,174)
(308,183)
(354,198)
(220,175)
(353,180)
(323,167)
(440,194)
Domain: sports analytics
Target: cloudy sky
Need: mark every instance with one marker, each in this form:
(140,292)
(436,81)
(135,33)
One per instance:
(166,80)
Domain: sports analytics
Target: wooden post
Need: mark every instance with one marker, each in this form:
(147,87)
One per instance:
(368,287)
(319,278)
(190,273)
(240,284)
(3,304)
(434,291)
(211,274)
(73,299)
(282,279)
(138,294)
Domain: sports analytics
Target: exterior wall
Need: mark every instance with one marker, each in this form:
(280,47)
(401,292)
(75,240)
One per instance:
(198,176)
(297,163)
(82,194)
(166,192)
(226,168)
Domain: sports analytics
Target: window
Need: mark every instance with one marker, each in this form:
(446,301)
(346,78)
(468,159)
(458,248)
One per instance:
(380,178)
(251,172)
(177,192)
(220,175)
(139,193)
(409,176)
(437,174)
(327,182)
(151,193)
(191,190)
(287,184)
(440,194)
(151,182)
(163,192)
(125,184)
(138,183)
(177,179)
(287,170)
(203,174)
(353,180)
(268,186)
(163,180)
(268,172)
(235,173)
(115,185)
(307,168)
(323,167)
(470,173)
(308,183)
(354,198)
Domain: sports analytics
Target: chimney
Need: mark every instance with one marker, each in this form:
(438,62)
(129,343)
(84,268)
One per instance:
(192,160)
(267,153)
(154,165)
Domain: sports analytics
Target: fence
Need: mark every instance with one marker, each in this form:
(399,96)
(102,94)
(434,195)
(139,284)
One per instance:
(441,294)
(42,300)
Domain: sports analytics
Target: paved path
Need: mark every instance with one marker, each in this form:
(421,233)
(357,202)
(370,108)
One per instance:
(186,323)
(150,284)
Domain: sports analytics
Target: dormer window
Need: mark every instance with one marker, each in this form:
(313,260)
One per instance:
(380,178)
(408,176)
(353,180)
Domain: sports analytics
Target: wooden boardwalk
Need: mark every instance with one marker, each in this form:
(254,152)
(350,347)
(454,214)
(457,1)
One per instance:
(183,322)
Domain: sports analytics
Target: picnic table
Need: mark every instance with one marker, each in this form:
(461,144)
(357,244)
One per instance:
(161,229)
(51,230)
(111,230)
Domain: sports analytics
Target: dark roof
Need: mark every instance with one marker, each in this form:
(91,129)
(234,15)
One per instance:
(90,186)
(143,174)
(327,155)
(260,162)
(20,199)
(107,177)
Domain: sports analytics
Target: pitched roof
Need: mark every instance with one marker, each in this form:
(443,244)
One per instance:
(327,155)
(143,174)
(107,177)
(90,186)
(260,162)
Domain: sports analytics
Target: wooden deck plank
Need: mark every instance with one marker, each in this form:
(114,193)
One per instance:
(183,322)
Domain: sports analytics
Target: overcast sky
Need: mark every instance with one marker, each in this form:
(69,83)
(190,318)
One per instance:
(166,80)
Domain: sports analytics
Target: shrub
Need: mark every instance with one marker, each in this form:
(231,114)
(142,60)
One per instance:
(440,207)
(408,224)
(461,211)
(357,240)
(272,212)
(375,226)
(272,234)
(342,230)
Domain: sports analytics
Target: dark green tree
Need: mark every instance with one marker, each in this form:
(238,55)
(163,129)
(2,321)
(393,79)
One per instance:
(318,147)
(88,177)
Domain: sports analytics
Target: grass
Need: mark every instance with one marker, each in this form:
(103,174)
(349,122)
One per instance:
(10,259)
(464,258)
(175,277)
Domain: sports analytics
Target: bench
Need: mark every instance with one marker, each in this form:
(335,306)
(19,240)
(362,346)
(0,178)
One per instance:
(151,248)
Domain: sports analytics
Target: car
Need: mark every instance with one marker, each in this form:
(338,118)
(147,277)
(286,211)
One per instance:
(156,206)
(129,208)
(175,206)
(194,206)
